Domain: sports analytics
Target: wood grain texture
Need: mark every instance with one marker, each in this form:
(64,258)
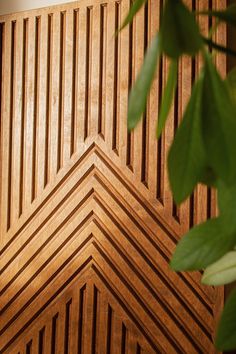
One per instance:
(88,223)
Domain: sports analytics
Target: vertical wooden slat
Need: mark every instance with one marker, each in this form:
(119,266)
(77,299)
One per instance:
(61,93)
(29,180)
(16,127)
(74,90)
(44,68)
(138,28)
(54,336)
(102,70)
(102,325)
(66,132)
(28,347)
(167,136)
(131,76)
(94,80)
(123,83)
(81,328)
(60,346)
(73,339)
(48,336)
(109,73)
(95,320)
(41,340)
(116,82)
(34,346)
(88,318)
(145,122)
(154,13)
(81,75)
(68,325)
(5,124)
(116,341)
(131,343)
(160,142)
(221,38)
(88,68)
(53,121)
(24,99)
(2,49)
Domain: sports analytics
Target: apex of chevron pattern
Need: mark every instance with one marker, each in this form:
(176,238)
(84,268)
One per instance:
(88,224)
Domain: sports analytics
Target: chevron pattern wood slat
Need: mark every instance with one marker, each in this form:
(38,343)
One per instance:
(88,224)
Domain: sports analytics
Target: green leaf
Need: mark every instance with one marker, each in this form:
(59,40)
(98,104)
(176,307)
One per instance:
(219,47)
(202,245)
(231,84)
(221,272)
(208,177)
(218,124)
(226,334)
(179,31)
(167,96)
(228,15)
(141,88)
(227,205)
(187,160)
(135,7)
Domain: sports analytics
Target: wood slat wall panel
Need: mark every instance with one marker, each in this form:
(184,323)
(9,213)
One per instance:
(88,223)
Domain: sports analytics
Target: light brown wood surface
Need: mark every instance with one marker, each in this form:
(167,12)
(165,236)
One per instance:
(88,223)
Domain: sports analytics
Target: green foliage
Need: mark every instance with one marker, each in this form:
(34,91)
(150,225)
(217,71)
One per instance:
(227,205)
(204,147)
(218,123)
(136,6)
(187,160)
(228,15)
(202,245)
(226,336)
(177,27)
(231,84)
(167,96)
(222,271)
(139,93)
(219,47)
(208,177)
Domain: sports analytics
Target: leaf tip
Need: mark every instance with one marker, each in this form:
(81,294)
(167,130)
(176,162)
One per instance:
(204,280)
(175,264)
(158,133)
(130,125)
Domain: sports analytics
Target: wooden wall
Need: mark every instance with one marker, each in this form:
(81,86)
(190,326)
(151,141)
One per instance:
(88,223)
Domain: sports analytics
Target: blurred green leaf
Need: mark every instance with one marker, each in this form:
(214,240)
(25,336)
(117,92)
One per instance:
(226,197)
(208,177)
(231,83)
(219,47)
(187,160)
(218,124)
(202,245)
(226,334)
(141,88)
(227,205)
(228,15)
(167,96)
(221,272)
(135,7)
(179,31)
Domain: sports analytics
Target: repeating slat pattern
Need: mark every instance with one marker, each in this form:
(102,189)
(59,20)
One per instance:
(88,224)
